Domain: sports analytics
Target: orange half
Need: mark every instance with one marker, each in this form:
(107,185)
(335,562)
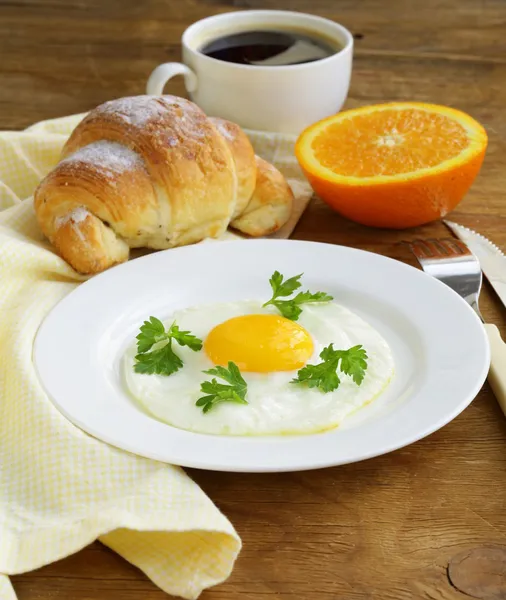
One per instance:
(393,165)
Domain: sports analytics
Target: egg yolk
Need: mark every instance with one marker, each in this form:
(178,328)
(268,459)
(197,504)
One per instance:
(259,343)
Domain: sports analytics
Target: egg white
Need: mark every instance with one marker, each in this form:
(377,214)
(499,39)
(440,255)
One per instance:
(275,406)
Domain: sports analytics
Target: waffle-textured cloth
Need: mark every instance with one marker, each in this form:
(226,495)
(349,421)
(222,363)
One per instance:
(61,489)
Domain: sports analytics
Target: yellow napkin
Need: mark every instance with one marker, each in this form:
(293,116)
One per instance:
(61,489)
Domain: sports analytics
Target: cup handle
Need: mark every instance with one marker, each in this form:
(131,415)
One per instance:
(166,71)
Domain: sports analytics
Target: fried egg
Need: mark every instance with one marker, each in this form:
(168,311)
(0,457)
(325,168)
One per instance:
(269,350)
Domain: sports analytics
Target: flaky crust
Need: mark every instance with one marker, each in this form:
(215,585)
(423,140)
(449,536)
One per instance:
(155,172)
(270,205)
(244,159)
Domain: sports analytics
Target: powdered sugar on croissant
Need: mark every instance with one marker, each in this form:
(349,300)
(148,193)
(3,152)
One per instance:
(155,172)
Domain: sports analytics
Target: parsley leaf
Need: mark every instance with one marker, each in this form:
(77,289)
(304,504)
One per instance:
(232,375)
(220,392)
(152,331)
(352,362)
(290,309)
(162,360)
(185,338)
(308,297)
(282,288)
(322,375)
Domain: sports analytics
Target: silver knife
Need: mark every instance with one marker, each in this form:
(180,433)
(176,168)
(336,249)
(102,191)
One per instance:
(493,264)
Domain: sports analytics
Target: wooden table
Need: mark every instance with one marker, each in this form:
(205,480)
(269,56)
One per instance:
(384,529)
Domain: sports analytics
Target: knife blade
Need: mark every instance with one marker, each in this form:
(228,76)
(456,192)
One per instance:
(493,264)
(492,259)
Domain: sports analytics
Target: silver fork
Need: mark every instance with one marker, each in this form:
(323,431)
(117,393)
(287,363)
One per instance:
(451,261)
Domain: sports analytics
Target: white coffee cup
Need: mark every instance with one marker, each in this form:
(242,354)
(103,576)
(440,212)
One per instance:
(283,99)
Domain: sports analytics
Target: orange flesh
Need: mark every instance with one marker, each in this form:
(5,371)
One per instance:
(389,142)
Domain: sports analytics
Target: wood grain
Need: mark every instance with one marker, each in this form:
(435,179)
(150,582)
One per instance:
(384,529)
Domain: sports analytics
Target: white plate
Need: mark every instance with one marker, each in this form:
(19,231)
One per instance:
(439,345)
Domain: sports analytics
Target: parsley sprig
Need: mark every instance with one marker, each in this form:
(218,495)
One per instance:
(291,309)
(352,362)
(219,392)
(162,360)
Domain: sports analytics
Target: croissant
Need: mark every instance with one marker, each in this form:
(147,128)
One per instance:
(155,172)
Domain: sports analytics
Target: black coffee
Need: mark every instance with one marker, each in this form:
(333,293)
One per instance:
(270,48)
